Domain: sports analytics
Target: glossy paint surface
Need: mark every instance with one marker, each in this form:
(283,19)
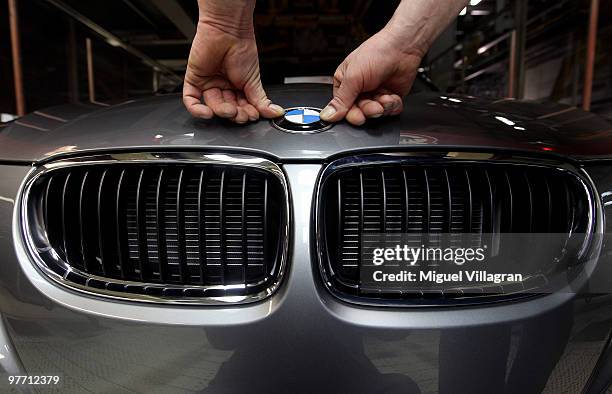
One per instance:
(429,120)
(300,340)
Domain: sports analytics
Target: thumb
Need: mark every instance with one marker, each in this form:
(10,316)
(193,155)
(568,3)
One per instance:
(344,97)
(256,96)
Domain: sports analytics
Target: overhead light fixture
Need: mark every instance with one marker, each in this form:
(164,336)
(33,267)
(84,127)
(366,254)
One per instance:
(7,117)
(474,2)
(463,11)
(505,120)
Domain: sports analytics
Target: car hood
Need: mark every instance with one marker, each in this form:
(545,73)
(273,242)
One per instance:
(429,120)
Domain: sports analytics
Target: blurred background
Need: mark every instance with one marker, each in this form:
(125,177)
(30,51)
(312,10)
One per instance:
(58,51)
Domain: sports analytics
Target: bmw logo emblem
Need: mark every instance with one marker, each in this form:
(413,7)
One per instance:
(304,120)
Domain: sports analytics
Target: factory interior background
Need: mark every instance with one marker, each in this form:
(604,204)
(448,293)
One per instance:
(60,51)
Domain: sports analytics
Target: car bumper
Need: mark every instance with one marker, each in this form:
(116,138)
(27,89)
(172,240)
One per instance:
(302,339)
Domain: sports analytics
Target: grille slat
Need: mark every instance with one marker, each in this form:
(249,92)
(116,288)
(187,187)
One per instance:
(120,225)
(82,218)
(177,231)
(141,226)
(161,227)
(100,215)
(243,204)
(180,227)
(67,225)
(530,200)
(548,197)
(510,195)
(201,228)
(440,205)
(222,259)
(449,204)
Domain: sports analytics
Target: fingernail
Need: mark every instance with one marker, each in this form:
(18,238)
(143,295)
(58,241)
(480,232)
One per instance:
(376,116)
(389,106)
(327,112)
(277,108)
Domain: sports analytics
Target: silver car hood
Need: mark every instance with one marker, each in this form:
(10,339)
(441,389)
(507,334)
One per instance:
(430,120)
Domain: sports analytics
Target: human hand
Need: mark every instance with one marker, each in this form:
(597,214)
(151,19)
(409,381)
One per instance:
(223,68)
(372,80)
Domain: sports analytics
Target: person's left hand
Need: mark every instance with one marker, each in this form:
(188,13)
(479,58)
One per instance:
(372,80)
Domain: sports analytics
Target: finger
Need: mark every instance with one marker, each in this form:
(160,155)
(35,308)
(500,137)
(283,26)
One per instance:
(370,108)
(256,95)
(355,116)
(344,97)
(241,116)
(192,99)
(214,99)
(250,110)
(398,106)
(390,102)
(229,97)
(397,110)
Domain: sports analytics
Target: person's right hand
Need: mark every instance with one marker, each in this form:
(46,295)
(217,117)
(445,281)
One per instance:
(373,79)
(223,68)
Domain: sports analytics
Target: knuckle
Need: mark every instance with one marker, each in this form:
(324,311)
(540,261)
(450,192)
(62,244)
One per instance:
(338,75)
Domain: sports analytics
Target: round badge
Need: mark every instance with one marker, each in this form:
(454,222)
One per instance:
(305,120)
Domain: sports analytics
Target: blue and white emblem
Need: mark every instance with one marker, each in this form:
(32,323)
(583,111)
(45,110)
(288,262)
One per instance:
(303,116)
(301,120)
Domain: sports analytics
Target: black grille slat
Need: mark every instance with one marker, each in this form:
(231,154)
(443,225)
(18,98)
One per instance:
(215,230)
(448,218)
(84,256)
(361,226)
(439,205)
(141,226)
(105,224)
(264,224)
(212,226)
(470,203)
(180,227)
(491,216)
(201,228)
(222,261)
(102,221)
(191,217)
(122,251)
(245,260)
(161,227)
(530,199)
(384,200)
(510,211)
(68,225)
(149,243)
(170,215)
(426,229)
(548,196)
(406,202)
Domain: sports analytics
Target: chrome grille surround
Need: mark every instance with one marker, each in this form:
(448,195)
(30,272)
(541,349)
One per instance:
(588,252)
(176,294)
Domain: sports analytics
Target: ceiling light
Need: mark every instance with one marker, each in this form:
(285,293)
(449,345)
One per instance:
(505,120)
